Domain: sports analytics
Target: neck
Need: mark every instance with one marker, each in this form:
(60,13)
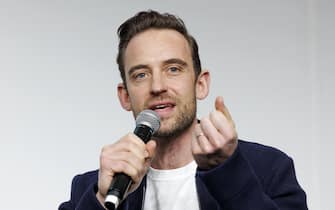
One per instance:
(174,152)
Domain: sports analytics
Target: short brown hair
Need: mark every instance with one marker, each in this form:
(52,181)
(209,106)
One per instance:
(152,19)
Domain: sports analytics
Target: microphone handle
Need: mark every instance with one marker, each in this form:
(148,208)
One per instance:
(118,188)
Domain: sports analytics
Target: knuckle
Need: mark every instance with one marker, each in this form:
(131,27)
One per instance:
(103,158)
(220,144)
(138,162)
(102,161)
(119,166)
(104,149)
(210,150)
(129,137)
(231,136)
(131,145)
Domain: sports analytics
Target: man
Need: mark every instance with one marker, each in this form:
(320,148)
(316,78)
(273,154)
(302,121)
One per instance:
(189,163)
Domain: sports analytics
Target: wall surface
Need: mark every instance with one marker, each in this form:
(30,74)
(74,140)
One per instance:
(272,60)
(325,72)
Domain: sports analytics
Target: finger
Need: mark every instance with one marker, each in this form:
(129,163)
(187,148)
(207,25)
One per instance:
(213,136)
(226,128)
(150,149)
(126,168)
(128,150)
(150,152)
(195,147)
(129,158)
(201,138)
(225,142)
(195,144)
(133,144)
(220,106)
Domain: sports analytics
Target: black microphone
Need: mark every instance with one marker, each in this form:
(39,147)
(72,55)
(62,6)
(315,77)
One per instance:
(147,123)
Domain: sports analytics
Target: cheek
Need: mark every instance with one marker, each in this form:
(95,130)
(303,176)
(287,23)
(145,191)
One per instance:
(187,87)
(137,98)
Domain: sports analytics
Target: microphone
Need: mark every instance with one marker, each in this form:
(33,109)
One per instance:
(147,123)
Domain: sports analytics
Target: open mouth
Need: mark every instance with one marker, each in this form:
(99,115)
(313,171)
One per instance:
(162,106)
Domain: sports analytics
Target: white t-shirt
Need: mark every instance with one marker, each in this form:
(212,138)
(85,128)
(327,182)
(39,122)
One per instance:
(173,189)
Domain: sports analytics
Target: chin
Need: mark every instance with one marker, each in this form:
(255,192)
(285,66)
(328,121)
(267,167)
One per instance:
(174,129)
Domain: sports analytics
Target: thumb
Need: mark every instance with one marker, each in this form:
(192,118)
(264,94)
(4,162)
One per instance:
(151,149)
(219,105)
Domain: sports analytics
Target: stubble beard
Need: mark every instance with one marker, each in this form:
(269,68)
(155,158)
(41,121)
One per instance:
(182,122)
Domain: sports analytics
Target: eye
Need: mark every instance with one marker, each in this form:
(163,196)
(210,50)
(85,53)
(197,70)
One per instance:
(140,75)
(174,69)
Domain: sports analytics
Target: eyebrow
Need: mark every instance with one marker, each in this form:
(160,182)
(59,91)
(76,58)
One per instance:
(169,61)
(175,60)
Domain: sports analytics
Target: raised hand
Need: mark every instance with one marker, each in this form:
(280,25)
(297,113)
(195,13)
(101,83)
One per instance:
(215,137)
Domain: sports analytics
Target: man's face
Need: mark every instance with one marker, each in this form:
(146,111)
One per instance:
(160,76)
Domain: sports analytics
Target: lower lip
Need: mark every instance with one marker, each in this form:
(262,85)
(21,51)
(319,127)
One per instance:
(164,112)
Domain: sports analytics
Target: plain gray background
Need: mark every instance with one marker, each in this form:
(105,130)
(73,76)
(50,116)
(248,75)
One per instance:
(272,60)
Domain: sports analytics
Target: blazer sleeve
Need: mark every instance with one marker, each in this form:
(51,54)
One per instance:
(236,185)
(83,195)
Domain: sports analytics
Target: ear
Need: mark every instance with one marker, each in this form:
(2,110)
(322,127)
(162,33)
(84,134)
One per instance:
(202,85)
(123,97)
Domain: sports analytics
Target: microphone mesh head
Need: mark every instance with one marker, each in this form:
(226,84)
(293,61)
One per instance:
(148,118)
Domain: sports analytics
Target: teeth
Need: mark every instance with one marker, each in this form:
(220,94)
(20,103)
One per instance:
(160,106)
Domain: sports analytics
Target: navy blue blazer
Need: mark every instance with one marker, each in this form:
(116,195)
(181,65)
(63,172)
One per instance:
(255,177)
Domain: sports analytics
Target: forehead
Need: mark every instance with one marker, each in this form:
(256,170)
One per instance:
(156,45)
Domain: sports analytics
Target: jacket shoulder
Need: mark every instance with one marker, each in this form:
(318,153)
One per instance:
(269,164)
(264,158)
(260,152)
(83,182)
(87,177)
(83,185)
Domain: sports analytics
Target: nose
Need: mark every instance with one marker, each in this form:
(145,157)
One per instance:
(158,84)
